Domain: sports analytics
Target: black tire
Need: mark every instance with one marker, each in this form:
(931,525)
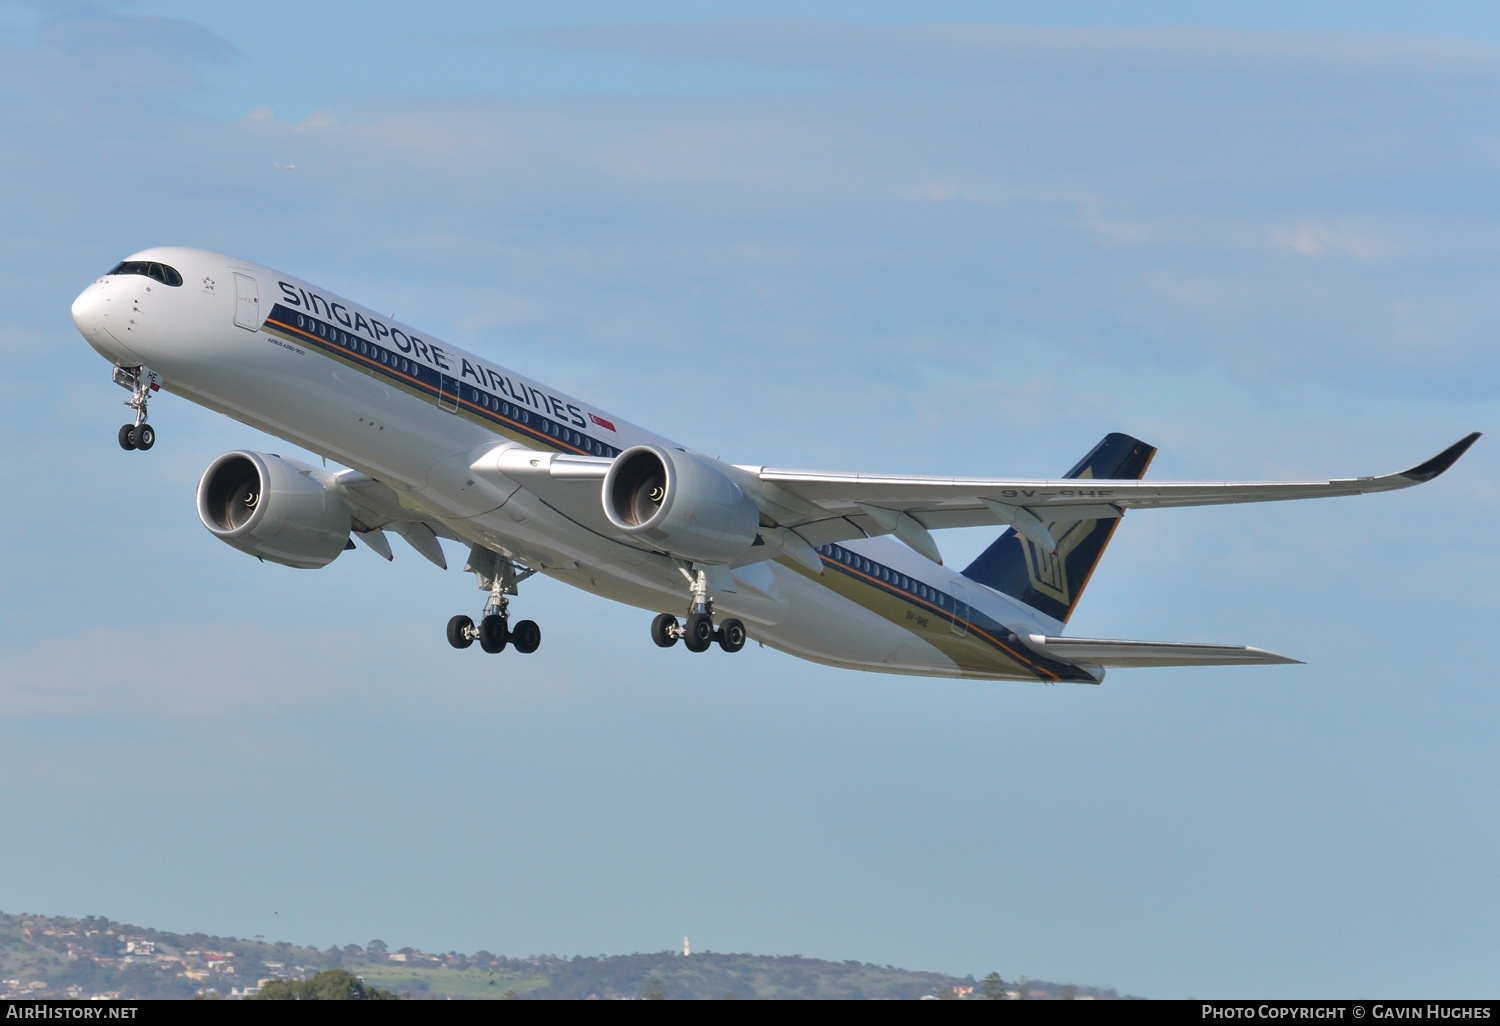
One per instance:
(127,437)
(144,436)
(458,631)
(731,635)
(700,632)
(526,636)
(493,634)
(663,630)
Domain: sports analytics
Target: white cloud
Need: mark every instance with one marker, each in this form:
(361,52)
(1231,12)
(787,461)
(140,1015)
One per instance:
(92,62)
(985,49)
(317,121)
(1316,240)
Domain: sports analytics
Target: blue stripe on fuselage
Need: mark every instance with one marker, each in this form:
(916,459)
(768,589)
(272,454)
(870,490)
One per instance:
(442,388)
(892,582)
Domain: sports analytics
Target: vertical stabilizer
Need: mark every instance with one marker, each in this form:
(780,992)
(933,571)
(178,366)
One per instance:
(1052,583)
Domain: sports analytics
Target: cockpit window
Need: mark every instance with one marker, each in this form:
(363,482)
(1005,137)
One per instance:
(151,269)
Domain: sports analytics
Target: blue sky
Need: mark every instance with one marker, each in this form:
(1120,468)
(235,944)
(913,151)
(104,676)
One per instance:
(1262,237)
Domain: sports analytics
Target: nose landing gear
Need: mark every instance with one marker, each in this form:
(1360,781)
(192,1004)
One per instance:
(499,575)
(141,381)
(698,633)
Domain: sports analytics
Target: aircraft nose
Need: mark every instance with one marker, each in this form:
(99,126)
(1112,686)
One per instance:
(89,311)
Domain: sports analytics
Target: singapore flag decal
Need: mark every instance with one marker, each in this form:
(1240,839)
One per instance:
(602,422)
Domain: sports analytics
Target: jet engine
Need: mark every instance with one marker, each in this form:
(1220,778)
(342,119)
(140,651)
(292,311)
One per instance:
(274,508)
(680,503)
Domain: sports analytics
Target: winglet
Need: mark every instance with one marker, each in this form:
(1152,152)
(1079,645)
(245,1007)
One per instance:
(1442,461)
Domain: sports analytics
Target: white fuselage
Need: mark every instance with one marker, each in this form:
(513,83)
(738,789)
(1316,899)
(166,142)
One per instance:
(413,412)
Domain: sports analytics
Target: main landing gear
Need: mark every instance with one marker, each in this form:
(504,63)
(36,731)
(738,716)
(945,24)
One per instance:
(141,382)
(698,632)
(498,575)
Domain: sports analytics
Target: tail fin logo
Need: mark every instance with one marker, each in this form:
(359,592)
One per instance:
(1052,581)
(1048,572)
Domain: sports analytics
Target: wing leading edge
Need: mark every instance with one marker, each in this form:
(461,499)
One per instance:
(840,489)
(870,502)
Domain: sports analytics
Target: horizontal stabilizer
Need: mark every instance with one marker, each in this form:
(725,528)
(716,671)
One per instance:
(1104,652)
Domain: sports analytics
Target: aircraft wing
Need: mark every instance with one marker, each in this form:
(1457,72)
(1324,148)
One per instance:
(909,506)
(1103,652)
(378,508)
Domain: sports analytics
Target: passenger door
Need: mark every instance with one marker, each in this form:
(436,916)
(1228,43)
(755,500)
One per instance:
(246,302)
(448,392)
(960,610)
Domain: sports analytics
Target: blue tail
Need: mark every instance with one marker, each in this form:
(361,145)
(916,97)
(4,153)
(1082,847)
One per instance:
(1051,583)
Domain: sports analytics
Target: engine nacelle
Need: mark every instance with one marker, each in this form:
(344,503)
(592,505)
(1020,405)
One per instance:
(681,503)
(273,508)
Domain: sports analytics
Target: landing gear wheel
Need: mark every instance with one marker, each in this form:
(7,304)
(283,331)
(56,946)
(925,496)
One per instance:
(526,636)
(664,630)
(699,633)
(493,634)
(459,629)
(731,635)
(127,436)
(144,436)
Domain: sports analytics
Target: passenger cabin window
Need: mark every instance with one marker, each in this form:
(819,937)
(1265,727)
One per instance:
(151,269)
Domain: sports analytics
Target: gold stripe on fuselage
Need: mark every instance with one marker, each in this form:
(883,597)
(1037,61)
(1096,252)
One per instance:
(492,420)
(977,650)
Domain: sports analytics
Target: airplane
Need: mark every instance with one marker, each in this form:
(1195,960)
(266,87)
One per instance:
(443,444)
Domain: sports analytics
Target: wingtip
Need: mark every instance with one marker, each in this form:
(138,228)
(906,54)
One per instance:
(1442,461)
(1274,658)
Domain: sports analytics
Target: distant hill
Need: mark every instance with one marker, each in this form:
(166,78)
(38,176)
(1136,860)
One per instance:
(93,957)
